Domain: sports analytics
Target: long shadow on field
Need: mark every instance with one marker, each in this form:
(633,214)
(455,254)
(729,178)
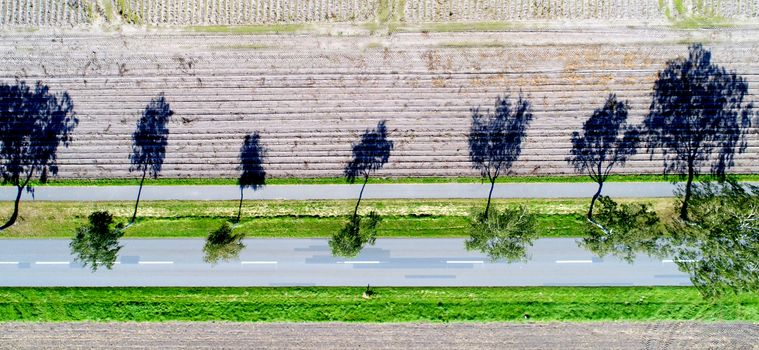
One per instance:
(33,122)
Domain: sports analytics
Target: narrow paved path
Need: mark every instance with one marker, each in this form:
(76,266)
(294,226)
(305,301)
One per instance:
(308,262)
(304,192)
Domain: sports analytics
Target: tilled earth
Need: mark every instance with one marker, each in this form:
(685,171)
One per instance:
(607,335)
(311,96)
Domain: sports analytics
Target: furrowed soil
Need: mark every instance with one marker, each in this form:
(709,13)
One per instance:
(215,335)
(311,95)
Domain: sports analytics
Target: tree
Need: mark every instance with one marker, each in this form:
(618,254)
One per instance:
(222,244)
(359,231)
(502,234)
(97,244)
(624,230)
(697,109)
(251,164)
(719,244)
(600,146)
(369,155)
(149,142)
(33,122)
(495,139)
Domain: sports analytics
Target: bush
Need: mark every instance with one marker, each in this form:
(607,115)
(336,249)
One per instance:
(624,230)
(97,244)
(349,241)
(502,234)
(222,244)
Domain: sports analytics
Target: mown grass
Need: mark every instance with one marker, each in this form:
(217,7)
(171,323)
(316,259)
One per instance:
(321,304)
(374,180)
(292,219)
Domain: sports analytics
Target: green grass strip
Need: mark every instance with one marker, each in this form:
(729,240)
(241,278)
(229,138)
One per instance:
(374,180)
(429,218)
(392,304)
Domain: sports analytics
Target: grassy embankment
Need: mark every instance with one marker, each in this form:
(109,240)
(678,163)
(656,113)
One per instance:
(388,305)
(297,219)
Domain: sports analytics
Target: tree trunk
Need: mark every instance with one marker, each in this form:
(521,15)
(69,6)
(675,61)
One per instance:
(593,201)
(139,192)
(490,195)
(13,217)
(688,184)
(361,194)
(239,209)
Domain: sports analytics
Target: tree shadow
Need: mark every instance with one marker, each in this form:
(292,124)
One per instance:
(253,174)
(600,148)
(495,139)
(33,122)
(149,142)
(370,154)
(697,110)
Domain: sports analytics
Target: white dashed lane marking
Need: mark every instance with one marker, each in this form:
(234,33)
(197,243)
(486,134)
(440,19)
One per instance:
(574,261)
(464,262)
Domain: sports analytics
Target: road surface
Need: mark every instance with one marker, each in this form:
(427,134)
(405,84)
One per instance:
(308,262)
(304,192)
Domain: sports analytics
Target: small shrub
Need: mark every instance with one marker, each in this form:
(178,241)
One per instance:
(356,233)
(502,234)
(97,244)
(222,244)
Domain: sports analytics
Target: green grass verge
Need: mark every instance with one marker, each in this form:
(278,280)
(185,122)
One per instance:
(289,219)
(374,180)
(319,304)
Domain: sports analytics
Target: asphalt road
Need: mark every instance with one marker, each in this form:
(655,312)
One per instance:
(303,192)
(306,262)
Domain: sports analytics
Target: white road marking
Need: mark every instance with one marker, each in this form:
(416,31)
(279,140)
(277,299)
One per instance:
(574,261)
(9,262)
(258,262)
(155,262)
(361,262)
(672,261)
(464,262)
(51,262)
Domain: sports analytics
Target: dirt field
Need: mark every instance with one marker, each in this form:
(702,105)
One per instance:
(310,96)
(245,12)
(680,335)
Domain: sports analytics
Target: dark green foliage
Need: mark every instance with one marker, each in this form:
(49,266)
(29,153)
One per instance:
(97,244)
(222,244)
(356,233)
(624,230)
(698,109)
(33,122)
(719,244)
(502,235)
